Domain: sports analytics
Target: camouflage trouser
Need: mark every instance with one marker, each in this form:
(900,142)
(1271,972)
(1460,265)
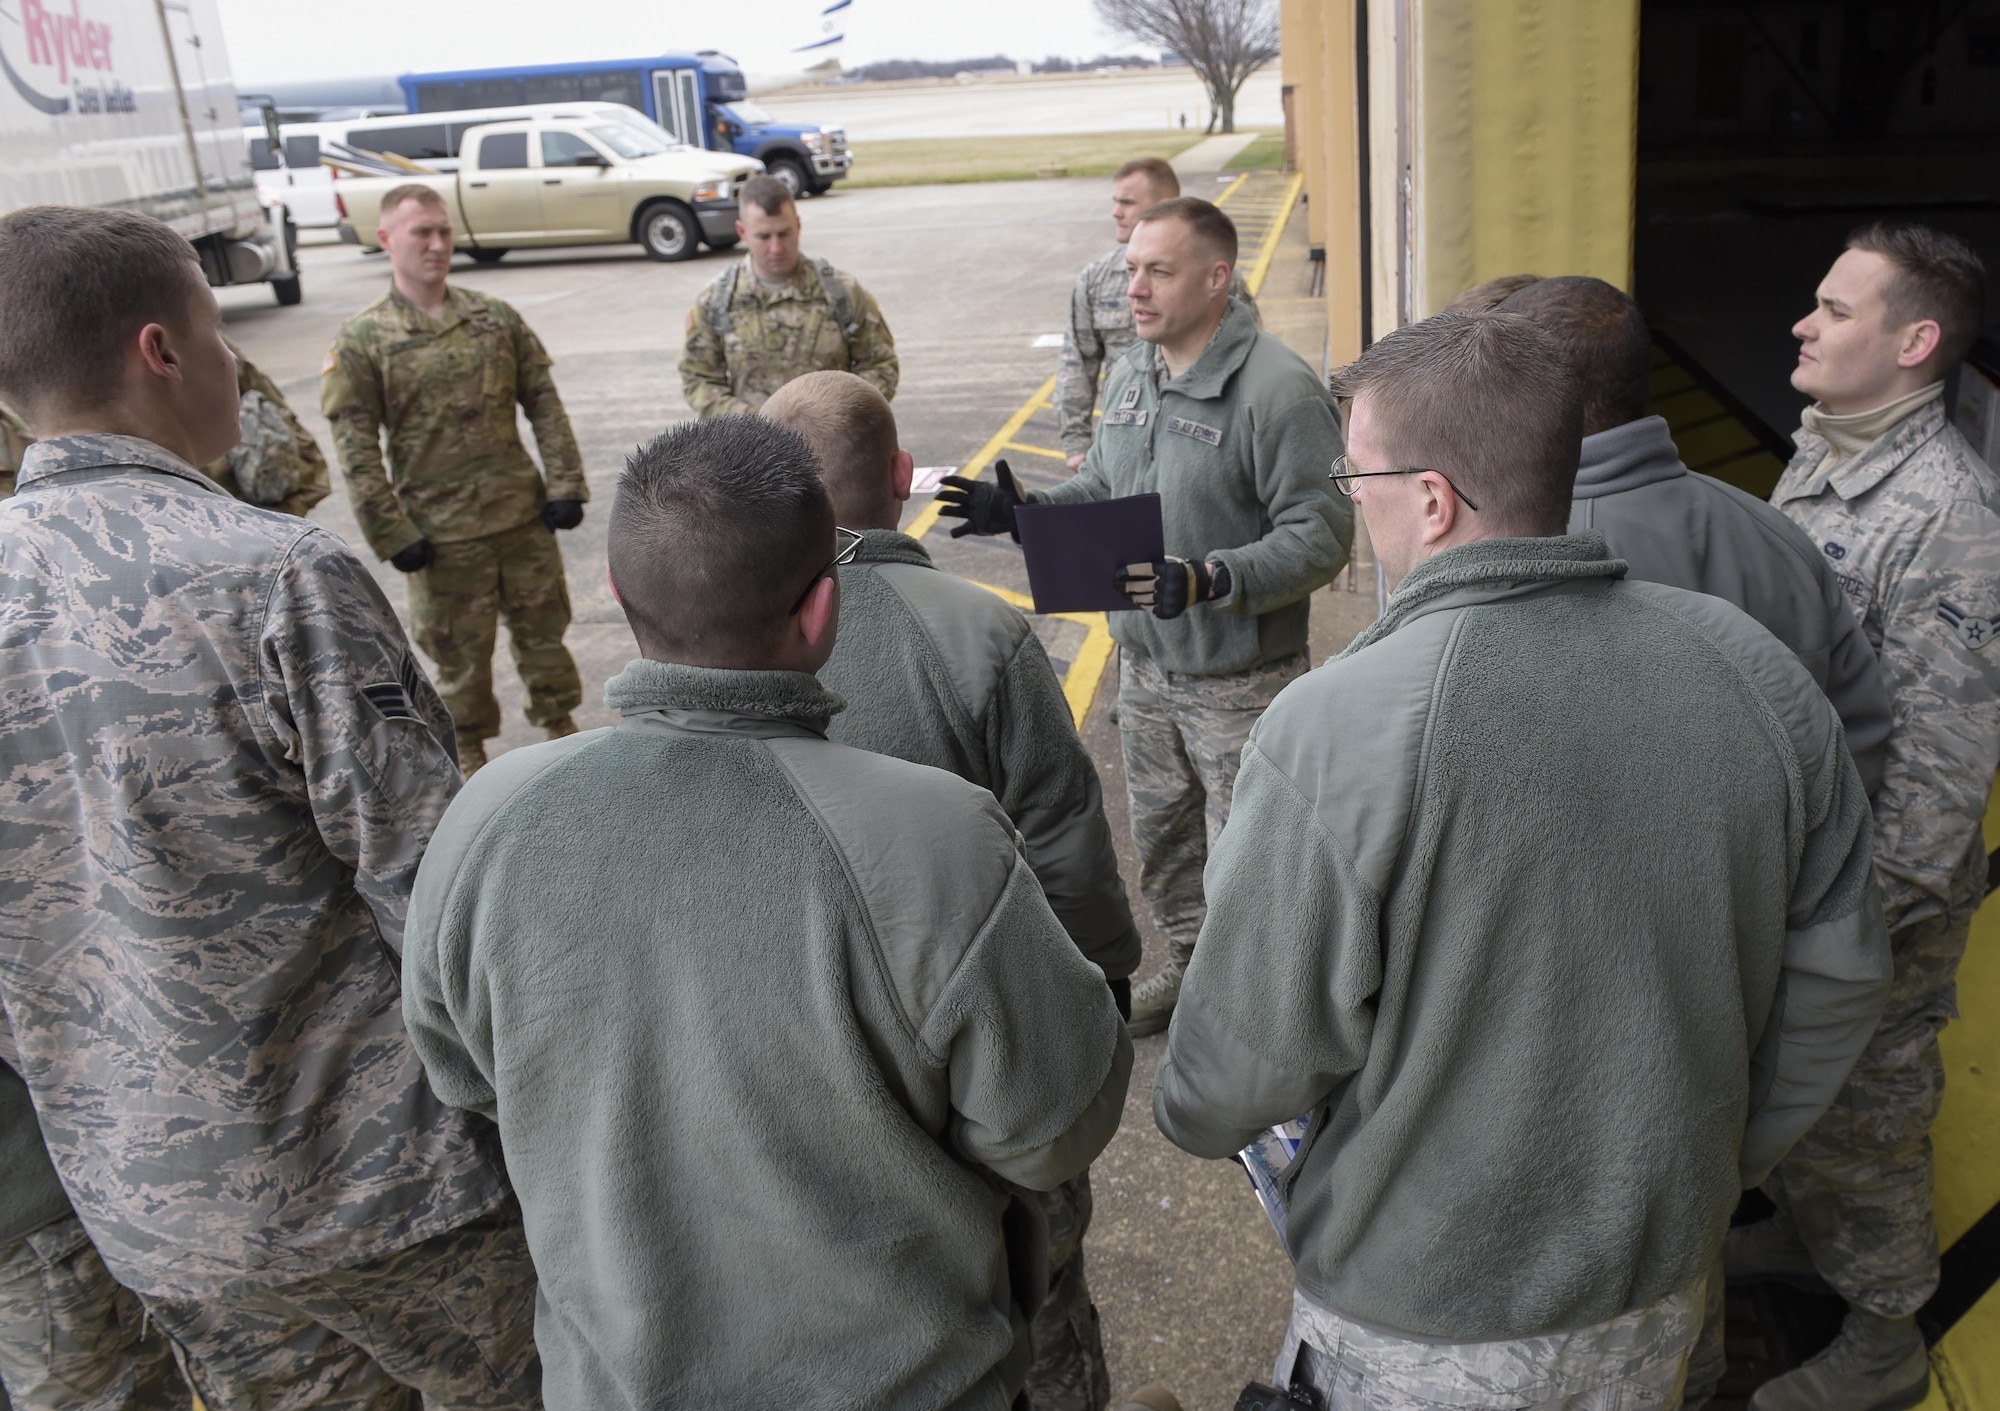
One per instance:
(452,1317)
(1858,1184)
(1710,1357)
(1636,1362)
(71,1337)
(1069,1373)
(1182,737)
(456,606)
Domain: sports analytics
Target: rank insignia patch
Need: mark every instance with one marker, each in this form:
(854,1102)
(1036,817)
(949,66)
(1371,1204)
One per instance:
(1973,630)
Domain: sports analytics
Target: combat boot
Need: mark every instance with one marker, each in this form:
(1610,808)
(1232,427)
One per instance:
(1876,1364)
(471,755)
(1153,1002)
(1769,1249)
(1150,1398)
(560,729)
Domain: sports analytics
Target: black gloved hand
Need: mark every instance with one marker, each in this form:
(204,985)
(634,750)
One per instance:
(562,514)
(1168,587)
(1121,995)
(986,509)
(416,556)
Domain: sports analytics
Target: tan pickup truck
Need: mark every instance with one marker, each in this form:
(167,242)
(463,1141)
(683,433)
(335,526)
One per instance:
(593,180)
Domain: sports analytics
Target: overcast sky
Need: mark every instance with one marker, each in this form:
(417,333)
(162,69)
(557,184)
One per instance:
(276,41)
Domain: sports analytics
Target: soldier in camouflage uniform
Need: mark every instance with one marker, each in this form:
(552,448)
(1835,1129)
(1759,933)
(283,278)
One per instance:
(461,507)
(275,462)
(775,315)
(1909,516)
(221,768)
(1100,315)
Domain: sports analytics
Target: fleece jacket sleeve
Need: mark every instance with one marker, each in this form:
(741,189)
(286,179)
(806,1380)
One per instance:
(1312,524)
(1835,972)
(1277,1008)
(1855,686)
(1045,781)
(1038,1060)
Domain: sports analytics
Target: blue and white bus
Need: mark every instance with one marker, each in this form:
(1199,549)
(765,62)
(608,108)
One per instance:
(699,98)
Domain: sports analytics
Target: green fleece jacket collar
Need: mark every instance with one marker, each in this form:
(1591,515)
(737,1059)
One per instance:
(891,546)
(1491,568)
(1226,352)
(706,698)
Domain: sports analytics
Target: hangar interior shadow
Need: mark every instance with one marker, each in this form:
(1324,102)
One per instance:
(1768,129)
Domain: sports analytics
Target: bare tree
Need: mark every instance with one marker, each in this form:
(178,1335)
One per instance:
(1224,41)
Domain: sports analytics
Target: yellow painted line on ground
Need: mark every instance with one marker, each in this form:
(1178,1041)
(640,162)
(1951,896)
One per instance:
(1087,669)
(1230,190)
(1965,1364)
(924,522)
(1261,266)
(1035,450)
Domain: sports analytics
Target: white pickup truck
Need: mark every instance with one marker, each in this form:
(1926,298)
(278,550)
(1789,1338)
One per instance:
(601,179)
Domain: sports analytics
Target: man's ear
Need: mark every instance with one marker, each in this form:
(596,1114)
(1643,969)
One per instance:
(1920,340)
(820,612)
(156,348)
(901,471)
(1219,277)
(612,584)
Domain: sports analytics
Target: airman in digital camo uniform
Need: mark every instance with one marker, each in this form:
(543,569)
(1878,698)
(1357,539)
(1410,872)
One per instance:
(461,507)
(1909,517)
(776,315)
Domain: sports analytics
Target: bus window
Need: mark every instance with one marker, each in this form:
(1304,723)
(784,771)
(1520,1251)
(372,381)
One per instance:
(550,88)
(617,86)
(478,93)
(503,151)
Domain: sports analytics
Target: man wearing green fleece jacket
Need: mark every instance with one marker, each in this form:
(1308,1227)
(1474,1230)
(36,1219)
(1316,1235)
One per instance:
(773,1029)
(1235,434)
(938,671)
(1548,903)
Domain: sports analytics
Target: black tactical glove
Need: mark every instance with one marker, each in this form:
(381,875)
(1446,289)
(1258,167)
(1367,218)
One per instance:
(1171,586)
(986,509)
(1121,995)
(562,514)
(417,556)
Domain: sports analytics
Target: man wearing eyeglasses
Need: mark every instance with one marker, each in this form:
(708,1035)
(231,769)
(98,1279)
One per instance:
(1234,433)
(1547,903)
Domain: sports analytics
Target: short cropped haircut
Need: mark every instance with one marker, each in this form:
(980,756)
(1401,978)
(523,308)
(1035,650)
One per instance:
(852,433)
(1604,339)
(1213,231)
(766,193)
(411,191)
(1489,294)
(1164,180)
(76,284)
(1938,276)
(716,529)
(1486,399)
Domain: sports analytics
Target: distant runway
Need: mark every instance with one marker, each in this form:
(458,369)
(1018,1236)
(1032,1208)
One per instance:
(1122,102)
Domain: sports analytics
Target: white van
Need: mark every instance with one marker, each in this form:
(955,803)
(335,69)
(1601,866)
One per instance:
(432,139)
(293,175)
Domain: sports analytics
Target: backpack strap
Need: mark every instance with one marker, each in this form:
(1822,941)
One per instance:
(836,295)
(721,295)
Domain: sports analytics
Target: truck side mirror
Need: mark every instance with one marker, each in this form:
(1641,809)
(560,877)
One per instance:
(591,159)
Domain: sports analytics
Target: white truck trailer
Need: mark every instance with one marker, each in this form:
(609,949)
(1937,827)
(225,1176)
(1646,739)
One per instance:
(129,103)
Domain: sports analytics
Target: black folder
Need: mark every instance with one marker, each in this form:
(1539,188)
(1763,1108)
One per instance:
(1076,552)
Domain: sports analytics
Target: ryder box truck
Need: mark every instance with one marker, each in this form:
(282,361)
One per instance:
(129,103)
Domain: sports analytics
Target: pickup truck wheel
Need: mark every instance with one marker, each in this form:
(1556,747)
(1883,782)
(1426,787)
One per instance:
(487,257)
(288,291)
(668,231)
(791,172)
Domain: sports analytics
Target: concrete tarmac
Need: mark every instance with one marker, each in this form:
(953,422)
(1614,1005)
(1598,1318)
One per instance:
(1190,1283)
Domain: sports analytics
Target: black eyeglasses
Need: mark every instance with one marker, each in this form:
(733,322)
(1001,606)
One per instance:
(848,544)
(1343,479)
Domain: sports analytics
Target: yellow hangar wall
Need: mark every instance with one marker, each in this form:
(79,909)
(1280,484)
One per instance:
(1445,142)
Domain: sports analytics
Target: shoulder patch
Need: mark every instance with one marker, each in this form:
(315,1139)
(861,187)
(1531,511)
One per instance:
(1181,426)
(390,700)
(332,357)
(1973,630)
